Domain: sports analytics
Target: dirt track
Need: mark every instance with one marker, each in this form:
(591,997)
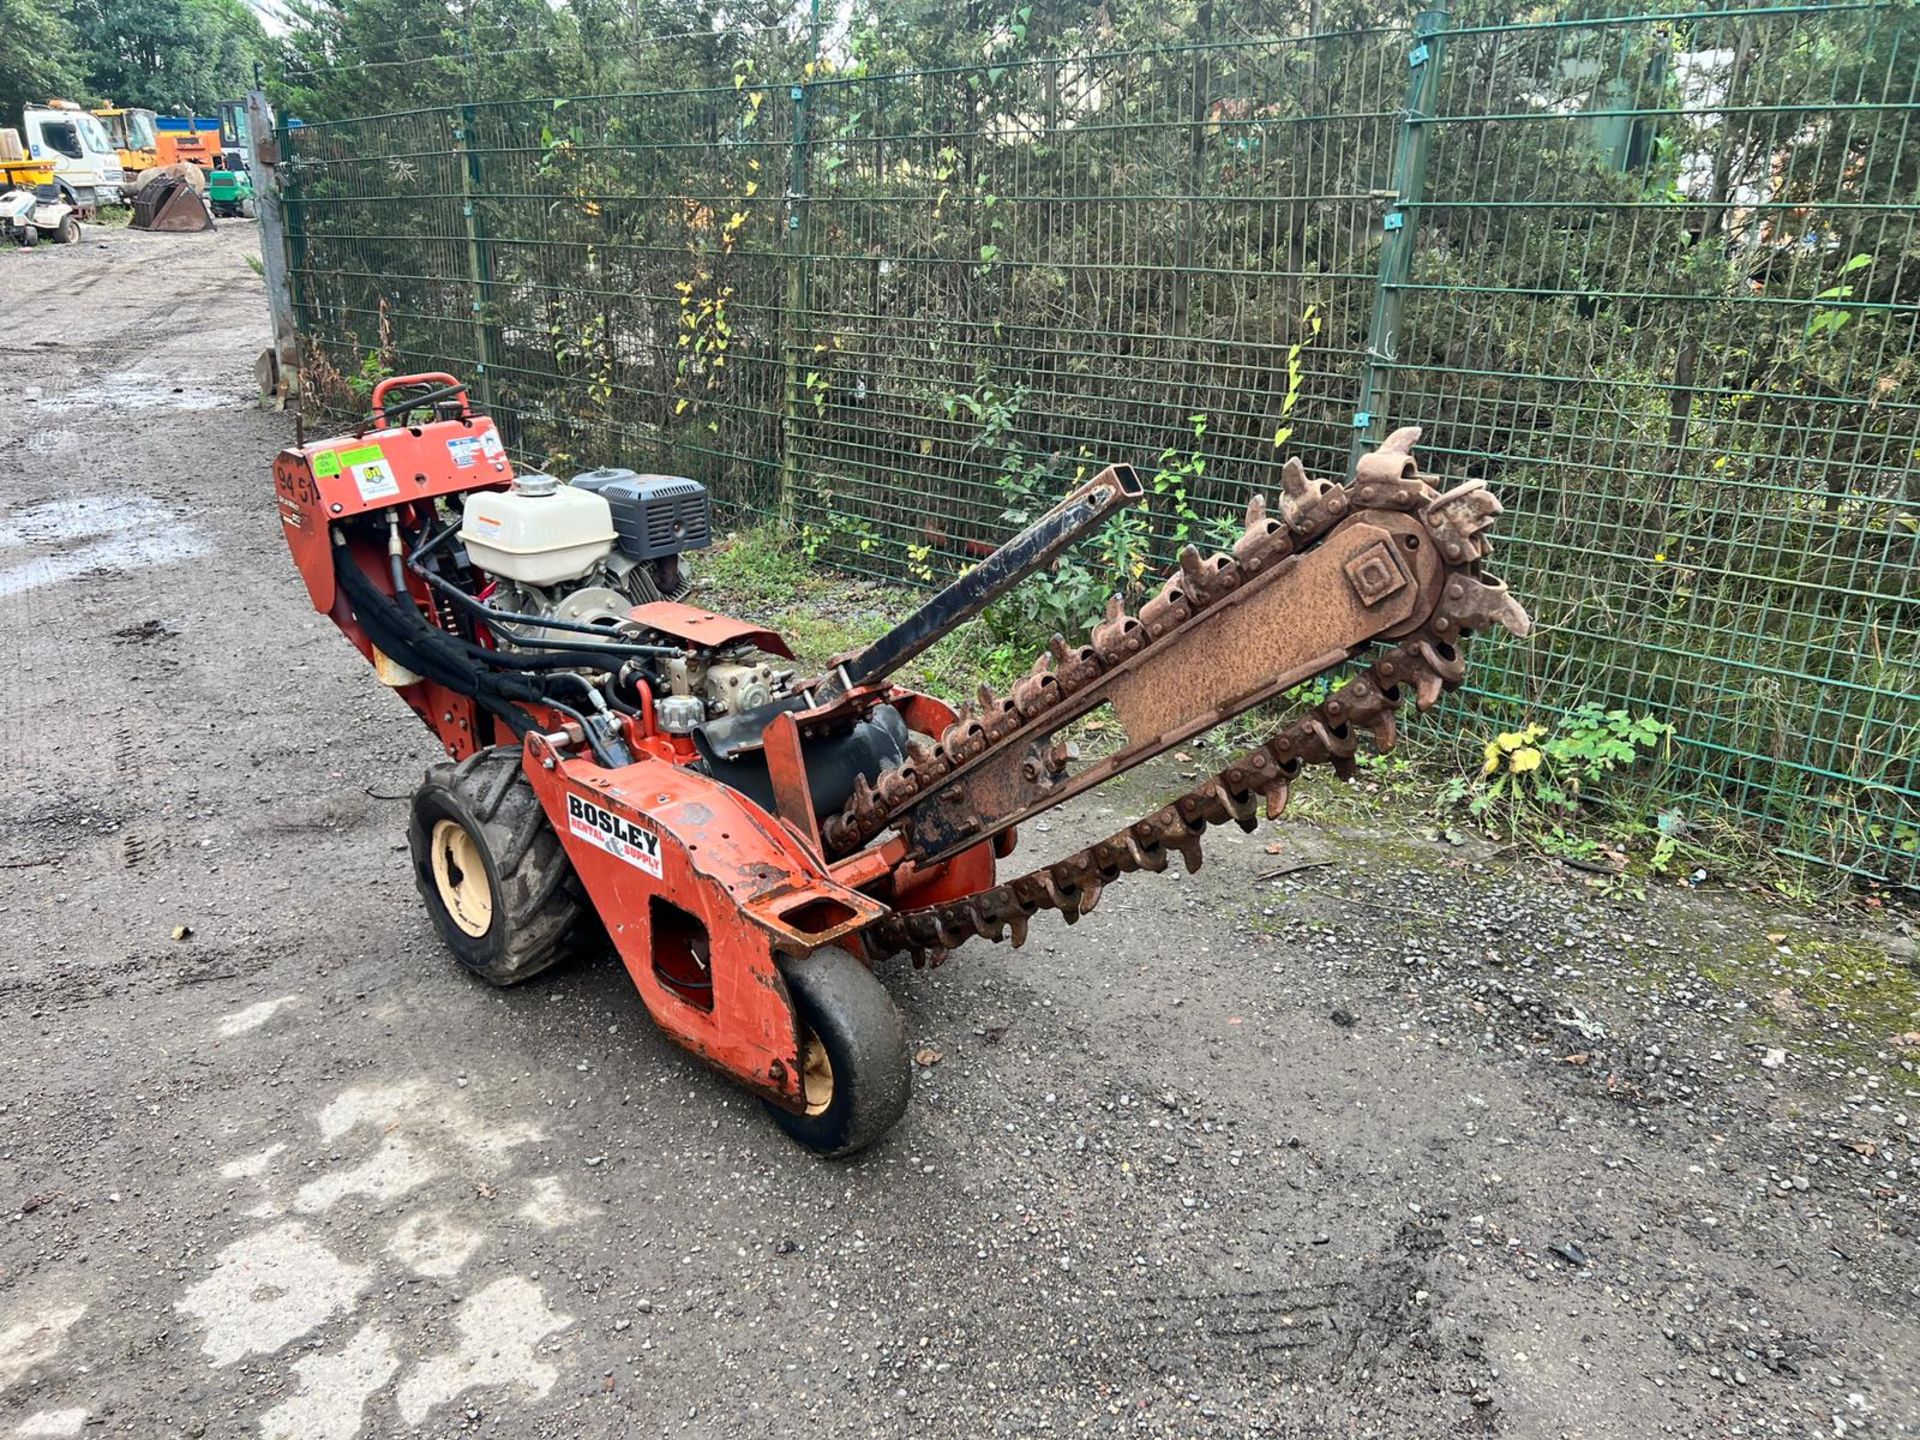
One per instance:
(294,1176)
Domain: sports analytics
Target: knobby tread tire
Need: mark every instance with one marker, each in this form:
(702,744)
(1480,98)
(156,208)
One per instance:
(541,914)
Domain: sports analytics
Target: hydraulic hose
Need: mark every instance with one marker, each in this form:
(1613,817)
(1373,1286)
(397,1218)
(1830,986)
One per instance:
(500,695)
(400,631)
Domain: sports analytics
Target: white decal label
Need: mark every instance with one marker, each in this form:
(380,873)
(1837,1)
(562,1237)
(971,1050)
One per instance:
(490,445)
(620,838)
(465,451)
(375,480)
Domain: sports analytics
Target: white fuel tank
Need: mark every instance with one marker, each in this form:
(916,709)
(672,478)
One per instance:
(539,532)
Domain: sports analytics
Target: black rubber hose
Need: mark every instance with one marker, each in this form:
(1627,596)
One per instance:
(603,751)
(402,633)
(613,754)
(517,660)
(475,606)
(566,655)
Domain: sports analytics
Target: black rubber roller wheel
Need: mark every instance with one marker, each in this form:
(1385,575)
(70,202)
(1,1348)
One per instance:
(496,881)
(856,1072)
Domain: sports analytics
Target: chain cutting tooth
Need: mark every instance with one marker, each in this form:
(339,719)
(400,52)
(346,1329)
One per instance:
(1296,491)
(1265,541)
(1403,666)
(1479,602)
(1382,470)
(1401,441)
(1038,691)
(1166,611)
(958,927)
(1204,578)
(1444,660)
(1458,518)
(1146,852)
(1117,636)
(1189,847)
(898,785)
(1246,813)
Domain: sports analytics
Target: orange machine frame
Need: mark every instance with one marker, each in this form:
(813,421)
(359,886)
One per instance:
(659,846)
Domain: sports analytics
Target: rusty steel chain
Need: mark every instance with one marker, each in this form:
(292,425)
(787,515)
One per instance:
(1425,662)
(1307,510)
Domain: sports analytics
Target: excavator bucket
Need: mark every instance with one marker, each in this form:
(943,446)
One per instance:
(171,205)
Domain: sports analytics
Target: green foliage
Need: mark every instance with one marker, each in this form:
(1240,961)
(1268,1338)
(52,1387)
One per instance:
(373,369)
(39,56)
(1067,597)
(1660,299)
(762,564)
(1543,782)
(1177,476)
(168,55)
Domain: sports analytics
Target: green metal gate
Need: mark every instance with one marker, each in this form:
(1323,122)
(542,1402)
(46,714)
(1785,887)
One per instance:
(1655,277)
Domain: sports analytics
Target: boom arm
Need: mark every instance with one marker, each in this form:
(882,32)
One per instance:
(1307,587)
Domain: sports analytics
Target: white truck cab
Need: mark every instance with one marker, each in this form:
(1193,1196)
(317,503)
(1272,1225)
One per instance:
(86,167)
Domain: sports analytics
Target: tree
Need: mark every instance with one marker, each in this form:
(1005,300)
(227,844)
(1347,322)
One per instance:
(38,57)
(168,54)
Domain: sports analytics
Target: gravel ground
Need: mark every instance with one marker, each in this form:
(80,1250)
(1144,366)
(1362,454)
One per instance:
(1421,1142)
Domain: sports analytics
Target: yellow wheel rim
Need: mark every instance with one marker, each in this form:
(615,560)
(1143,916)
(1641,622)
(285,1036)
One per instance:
(816,1076)
(460,875)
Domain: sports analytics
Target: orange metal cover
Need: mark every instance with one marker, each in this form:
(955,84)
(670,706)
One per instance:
(352,475)
(706,629)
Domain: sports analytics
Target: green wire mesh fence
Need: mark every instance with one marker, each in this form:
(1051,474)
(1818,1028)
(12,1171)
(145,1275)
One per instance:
(1655,277)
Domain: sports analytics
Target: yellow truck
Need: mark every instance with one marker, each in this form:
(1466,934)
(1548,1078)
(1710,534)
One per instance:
(134,137)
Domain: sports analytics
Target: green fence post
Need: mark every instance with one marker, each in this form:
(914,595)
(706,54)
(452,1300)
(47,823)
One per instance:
(1396,246)
(479,257)
(293,226)
(797,300)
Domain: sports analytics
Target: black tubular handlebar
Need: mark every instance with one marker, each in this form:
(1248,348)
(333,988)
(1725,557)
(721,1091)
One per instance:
(1039,544)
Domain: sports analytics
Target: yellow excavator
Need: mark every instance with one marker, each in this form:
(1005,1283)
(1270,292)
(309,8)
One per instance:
(134,137)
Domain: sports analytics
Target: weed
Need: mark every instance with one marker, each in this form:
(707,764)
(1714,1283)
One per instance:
(763,564)
(1542,784)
